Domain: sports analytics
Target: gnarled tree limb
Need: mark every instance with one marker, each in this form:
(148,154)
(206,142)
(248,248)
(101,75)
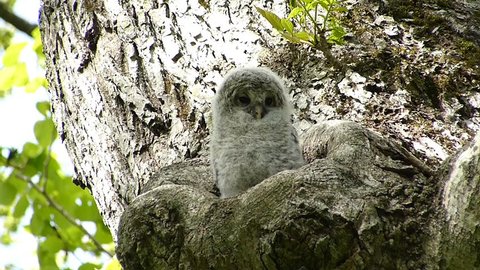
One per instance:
(356,206)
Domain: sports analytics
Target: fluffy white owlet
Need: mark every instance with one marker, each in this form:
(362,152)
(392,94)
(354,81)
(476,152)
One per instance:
(252,137)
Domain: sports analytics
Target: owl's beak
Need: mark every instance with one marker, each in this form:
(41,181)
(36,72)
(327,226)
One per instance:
(259,112)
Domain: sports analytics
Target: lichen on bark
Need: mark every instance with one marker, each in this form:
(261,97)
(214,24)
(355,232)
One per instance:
(357,204)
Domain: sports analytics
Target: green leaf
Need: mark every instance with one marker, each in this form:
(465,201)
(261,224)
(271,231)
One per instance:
(4,210)
(102,234)
(70,232)
(61,189)
(272,18)
(11,224)
(5,37)
(304,36)
(54,172)
(89,266)
(45,132)
(337,33)
(290,37)
(8,192)
(12,54)
(37,225)
(31,150)
(46,258)
(21,207)
(43,107)
(6,239)
(11,76)
(20,75)
(37,44)
(19,184)
(311,6)
(35,84)
(6,78)
(53,244)
(87,211)
(40,221)
(34,166)
(295,12)
(114,264)
(325,4)
(287,25)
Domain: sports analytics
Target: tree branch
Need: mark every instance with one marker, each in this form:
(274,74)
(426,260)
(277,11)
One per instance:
(19,23)
(62,212)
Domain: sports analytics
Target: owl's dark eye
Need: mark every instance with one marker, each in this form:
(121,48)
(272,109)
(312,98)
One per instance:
(243,100)
(269,101)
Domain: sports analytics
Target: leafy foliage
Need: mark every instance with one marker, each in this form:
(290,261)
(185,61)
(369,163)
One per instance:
(14,71)
(33,186)
(5,38)
(301,26)
(312,22)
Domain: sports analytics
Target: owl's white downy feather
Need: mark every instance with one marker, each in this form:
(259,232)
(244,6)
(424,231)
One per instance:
(252,137)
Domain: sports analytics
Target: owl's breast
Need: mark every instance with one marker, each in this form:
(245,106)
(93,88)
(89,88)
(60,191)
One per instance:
(259,147)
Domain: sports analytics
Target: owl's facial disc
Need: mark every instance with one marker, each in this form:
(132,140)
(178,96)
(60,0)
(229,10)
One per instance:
(252,107)
(255,103)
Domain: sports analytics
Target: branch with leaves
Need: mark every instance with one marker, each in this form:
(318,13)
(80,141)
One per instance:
(311,22)
(31,177)
(64,213)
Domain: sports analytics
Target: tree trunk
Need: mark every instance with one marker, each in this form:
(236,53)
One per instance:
(131,84)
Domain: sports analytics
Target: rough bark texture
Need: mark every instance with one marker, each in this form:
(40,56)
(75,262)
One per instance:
(347,210)
(360,204)
(131,84)
(459,237)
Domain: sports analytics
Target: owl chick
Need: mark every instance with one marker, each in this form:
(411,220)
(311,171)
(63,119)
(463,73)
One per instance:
(252,137)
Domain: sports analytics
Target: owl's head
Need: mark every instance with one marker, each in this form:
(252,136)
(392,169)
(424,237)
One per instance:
(255,91)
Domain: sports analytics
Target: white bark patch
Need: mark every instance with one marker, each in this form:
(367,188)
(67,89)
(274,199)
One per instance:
(430,148)
(461,189)
(353,85)
(475,101)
